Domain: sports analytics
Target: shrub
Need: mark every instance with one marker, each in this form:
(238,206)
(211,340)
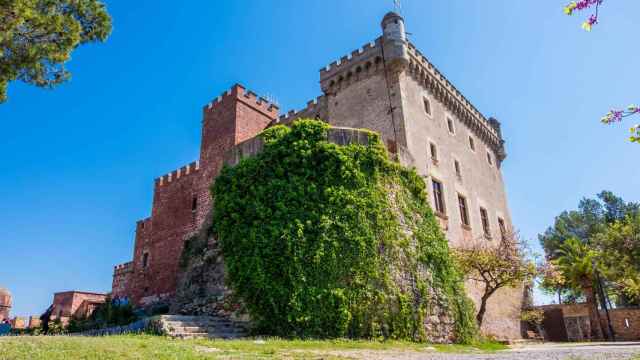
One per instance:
(322,240)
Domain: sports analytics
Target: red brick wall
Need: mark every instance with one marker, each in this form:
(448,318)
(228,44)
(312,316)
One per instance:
(628,330)
(65,304)
(235,116)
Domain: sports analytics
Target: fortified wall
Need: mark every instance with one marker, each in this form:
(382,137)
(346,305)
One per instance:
(386,86)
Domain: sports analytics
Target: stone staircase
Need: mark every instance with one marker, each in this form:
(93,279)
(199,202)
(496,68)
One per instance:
(194,327)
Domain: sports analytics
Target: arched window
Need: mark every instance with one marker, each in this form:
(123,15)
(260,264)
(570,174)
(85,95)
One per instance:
(427,106)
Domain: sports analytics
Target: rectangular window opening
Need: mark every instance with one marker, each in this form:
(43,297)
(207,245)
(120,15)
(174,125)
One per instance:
(434,153)
(456,165)
(452,130)
(503,228)
(464,212)
(438,197)
(472,145)
(485,222)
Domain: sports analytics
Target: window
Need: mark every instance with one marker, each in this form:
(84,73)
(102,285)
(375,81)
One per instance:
(452,130)
(485,222)
(145,260)
(456,165)
(489,160)
(434,153)
(427,106)
(194,203)
(503,228)
(472,145)
(464,213)
(438,197)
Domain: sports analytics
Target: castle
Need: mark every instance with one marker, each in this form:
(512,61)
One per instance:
(386,86)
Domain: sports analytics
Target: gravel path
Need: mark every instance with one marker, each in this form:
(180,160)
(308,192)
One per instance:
(625,351)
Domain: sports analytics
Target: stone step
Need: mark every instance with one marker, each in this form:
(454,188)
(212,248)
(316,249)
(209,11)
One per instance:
(190,327)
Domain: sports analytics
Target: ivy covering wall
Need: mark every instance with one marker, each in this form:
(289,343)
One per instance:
(324,240)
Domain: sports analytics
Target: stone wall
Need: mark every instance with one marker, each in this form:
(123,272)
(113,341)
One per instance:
(181,198)
(625,321)
(66,304)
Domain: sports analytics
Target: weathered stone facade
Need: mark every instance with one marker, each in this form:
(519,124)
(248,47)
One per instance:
(387,86)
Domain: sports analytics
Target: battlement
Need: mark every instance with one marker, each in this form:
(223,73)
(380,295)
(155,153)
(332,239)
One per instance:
(125,267)
(177,174)
(367,54)
(239,92)
(315,109)
(447,93)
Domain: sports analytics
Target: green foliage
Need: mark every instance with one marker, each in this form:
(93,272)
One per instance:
(533,316)
(322,240)
(619,247)
(591,225)
(38,36)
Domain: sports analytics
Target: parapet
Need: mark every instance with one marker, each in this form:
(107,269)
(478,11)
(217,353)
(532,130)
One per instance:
(240,93)
(177,174)
(336,135)
(315,109)
(357,61)
(122,268)
(428,75)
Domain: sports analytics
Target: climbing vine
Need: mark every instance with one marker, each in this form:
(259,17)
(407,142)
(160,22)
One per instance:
(324,240)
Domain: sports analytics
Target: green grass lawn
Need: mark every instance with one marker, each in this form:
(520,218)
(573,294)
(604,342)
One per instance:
(160,348)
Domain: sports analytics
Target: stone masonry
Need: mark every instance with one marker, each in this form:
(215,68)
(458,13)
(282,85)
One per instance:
(386,86)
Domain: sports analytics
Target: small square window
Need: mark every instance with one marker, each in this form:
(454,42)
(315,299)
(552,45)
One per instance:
(472,144)
(452,129)
(427,106)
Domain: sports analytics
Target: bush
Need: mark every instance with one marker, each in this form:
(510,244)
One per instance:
(321,240)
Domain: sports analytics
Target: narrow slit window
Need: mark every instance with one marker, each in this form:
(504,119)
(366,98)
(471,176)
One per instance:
(434,152)
(464,212)
(194,203)
(472,144)
(503,228)
(484,216)
(145,260)
(438,197)
(489,159)
(456,165)
(427,106)
(450,126)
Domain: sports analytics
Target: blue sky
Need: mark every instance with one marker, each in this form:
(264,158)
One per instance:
(78,162)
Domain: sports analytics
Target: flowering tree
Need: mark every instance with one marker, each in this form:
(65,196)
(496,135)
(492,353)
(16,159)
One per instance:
(495,267)
(614,115)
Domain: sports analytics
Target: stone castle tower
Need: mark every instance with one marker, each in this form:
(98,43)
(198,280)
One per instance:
(386,86)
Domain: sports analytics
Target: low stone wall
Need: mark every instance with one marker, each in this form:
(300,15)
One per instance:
(335,135)
(625,321)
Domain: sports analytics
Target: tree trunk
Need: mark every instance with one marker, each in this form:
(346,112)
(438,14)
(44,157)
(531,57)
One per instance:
(594,314)
(483,305)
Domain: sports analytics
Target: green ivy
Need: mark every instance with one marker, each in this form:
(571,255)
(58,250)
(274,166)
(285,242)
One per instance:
(322,240)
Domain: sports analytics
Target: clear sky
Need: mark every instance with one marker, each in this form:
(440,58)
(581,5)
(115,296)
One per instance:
(78,163)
